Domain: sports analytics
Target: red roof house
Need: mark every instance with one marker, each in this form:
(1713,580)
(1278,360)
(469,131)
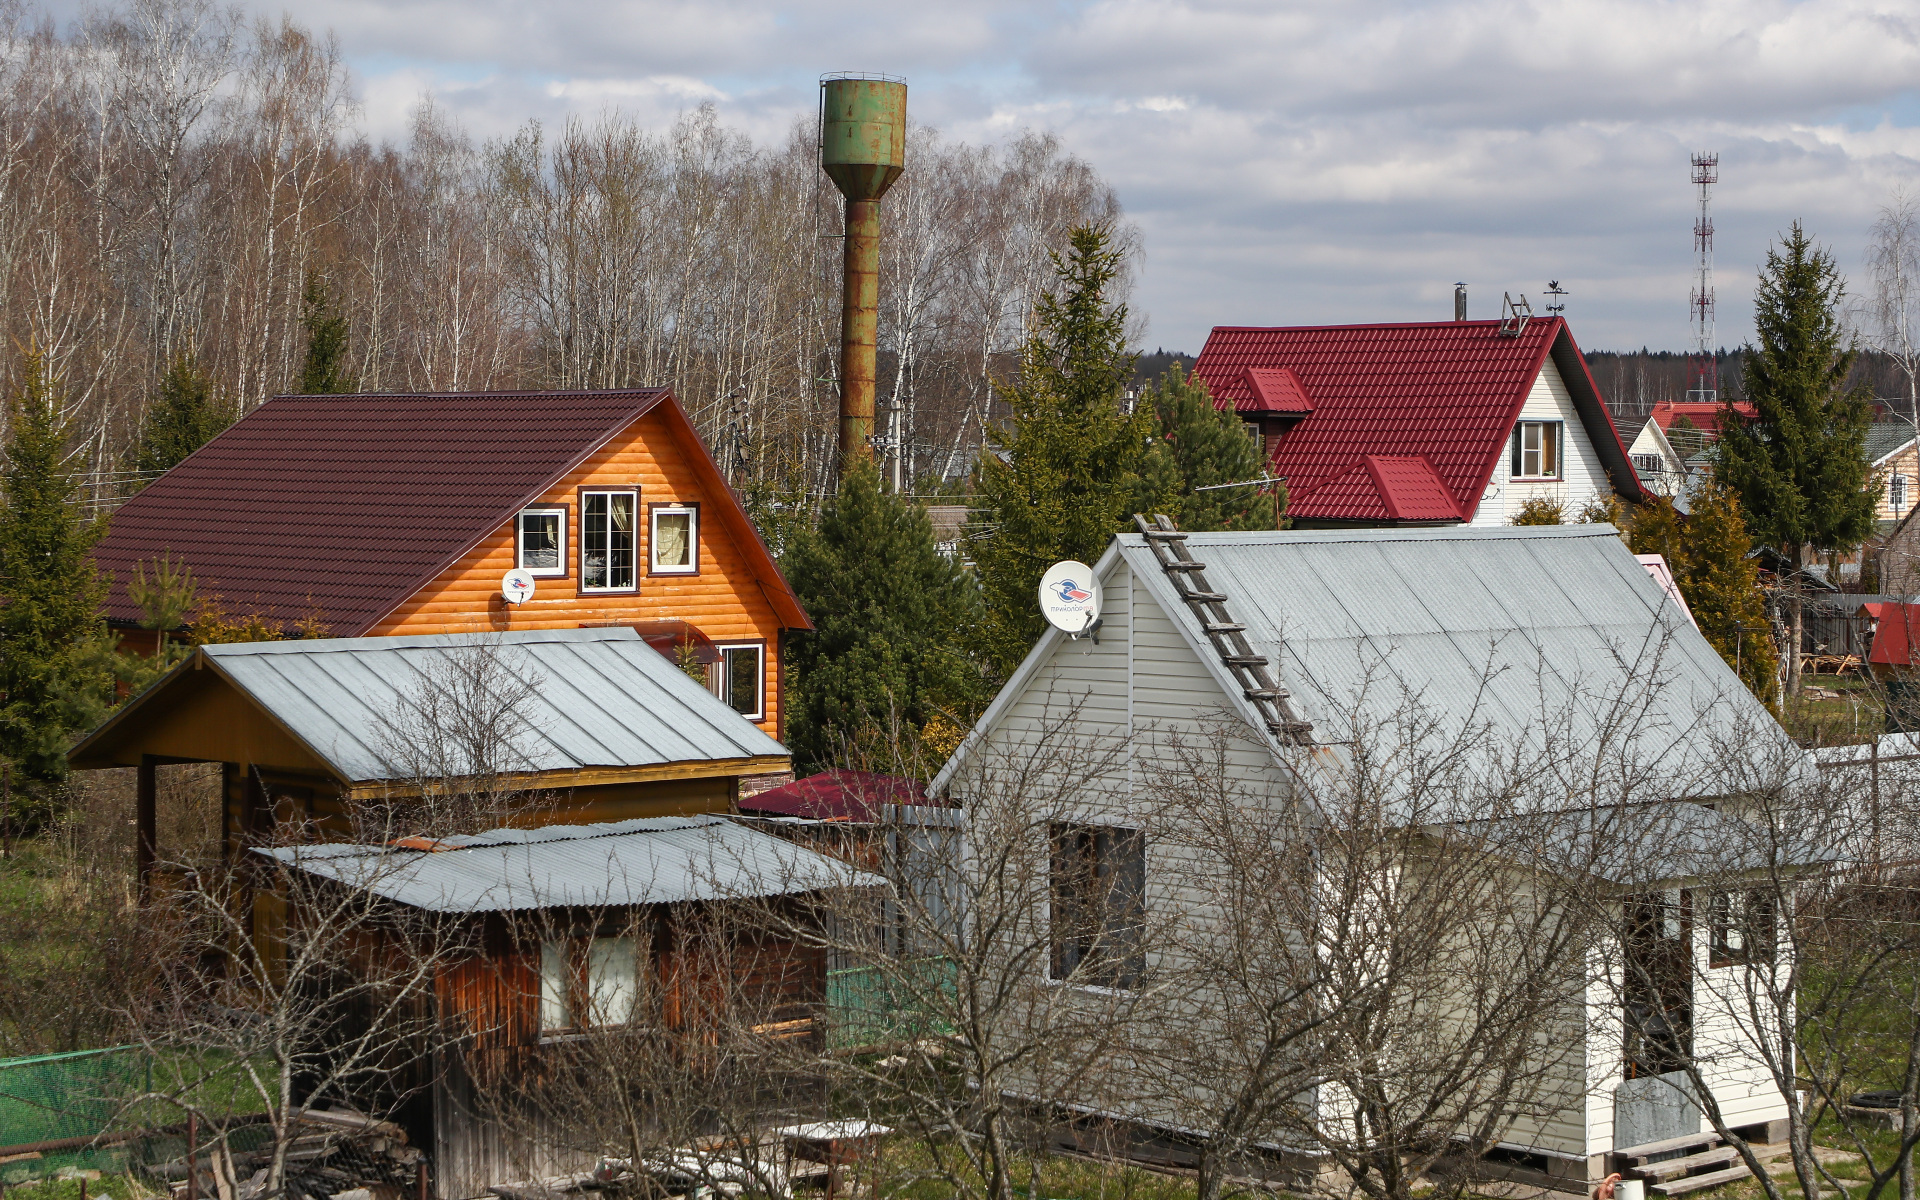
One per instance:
(1704,416)
(836,795)
(1432,423)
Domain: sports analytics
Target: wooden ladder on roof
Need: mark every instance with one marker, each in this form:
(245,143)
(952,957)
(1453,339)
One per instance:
(1229,637)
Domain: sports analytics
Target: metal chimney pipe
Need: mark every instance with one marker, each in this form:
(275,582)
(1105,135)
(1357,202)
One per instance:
(863,149)
(1459,301)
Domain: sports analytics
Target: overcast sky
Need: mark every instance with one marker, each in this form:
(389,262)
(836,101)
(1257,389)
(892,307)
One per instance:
(1287,162)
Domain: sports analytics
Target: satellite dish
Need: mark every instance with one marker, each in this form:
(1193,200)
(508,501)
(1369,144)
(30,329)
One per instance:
(517,586)
(1070,597)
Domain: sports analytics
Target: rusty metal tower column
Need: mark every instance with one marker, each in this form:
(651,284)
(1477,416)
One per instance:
(863,149)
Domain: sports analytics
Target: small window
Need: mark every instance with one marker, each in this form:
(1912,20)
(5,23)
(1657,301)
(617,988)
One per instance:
(1897,493)
(675,540)
(1098,892)
(540,541)
(595,978)
(1537,449)
(606,541)
(556,989)
(1648,466)
(739,678)
(1744,927)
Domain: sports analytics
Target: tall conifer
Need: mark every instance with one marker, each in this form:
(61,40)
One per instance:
(325,371)
(1197,446)
(55,652)
(183,415)
(1798,468)
(1061,475)
(893,622)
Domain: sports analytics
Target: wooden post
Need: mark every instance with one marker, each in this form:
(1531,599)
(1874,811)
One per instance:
(426,1191)
(146,836)
(193,1135)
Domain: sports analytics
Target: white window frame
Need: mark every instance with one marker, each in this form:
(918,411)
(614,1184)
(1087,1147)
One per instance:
(654,514)
(633,495)
(519,545)
(577,992)
(717,678)
(1520,450)
(1897,492)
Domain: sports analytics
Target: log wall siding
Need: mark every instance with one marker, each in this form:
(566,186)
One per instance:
(724,599)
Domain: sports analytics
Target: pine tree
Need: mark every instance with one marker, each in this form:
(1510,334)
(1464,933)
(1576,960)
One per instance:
(1195,446)
(55,652)
(183,415)
(893,619)
(1722,585)
(325,371)
(1798,467)
(1063,474)
(1655,528)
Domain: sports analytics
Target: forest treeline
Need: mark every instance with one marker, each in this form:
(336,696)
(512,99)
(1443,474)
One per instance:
(175,183)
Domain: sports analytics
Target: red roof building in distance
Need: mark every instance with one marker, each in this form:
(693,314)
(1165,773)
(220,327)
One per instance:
(395,514)
(1434,423)
(860,797)
(1704,416)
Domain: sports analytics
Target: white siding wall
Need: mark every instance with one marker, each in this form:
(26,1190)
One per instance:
(1584,477)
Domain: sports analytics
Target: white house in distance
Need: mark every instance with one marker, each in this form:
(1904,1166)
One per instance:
(1489,629)
(1433,423)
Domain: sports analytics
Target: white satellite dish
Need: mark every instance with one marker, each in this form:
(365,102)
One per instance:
(517,586)
(1070,598)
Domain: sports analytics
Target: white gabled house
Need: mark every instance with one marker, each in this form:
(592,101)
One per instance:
(1523,636)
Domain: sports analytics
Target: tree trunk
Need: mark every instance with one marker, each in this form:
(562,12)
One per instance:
(1796,624)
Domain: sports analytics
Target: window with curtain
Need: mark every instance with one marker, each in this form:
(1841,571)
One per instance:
(606,541)
(1098,904)
(676,540)
(589,982)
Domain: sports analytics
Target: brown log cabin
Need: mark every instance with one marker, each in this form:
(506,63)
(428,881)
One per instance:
(399,514)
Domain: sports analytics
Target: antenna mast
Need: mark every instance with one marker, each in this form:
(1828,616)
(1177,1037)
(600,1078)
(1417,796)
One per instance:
(1703,371)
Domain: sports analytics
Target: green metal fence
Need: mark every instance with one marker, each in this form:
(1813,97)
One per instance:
(52,1104)
(878,1006)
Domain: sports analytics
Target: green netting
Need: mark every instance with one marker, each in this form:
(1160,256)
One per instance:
(875,1006)
(55,1096)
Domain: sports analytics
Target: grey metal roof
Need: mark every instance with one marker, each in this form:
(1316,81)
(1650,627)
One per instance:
(601,698)
(1528,631)
(651,860)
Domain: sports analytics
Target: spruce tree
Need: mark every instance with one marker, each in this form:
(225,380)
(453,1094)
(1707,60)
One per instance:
(1721,582)
(1798,468)
(1196,446)
(325,371)
(55,652)
(183,415)
(1062,474)
(893,620)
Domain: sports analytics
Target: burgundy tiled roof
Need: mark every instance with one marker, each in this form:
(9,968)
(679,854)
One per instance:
(343,506)
(1447,391)
(1381,488)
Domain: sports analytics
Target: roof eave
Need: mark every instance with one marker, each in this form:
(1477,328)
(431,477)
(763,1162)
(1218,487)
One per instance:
(1594,415)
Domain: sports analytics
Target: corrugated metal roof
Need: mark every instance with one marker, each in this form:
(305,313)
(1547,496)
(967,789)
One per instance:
(652,860)
(1514,628)
(604,698)
(1448,390)
(1382,488)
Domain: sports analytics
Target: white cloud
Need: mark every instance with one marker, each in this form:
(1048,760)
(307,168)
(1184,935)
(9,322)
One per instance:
(1288,161)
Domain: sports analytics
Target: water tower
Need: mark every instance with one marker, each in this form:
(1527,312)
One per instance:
(863,149)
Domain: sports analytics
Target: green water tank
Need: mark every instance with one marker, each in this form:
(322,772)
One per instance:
(863,134)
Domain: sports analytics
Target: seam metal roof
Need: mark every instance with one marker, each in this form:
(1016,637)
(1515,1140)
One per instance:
(604,698)
(1515,628)
(650,860)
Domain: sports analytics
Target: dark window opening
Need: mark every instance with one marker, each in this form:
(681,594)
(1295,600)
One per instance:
(1098,887)
(1657,938)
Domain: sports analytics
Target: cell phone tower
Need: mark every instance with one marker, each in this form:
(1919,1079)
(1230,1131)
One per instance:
(1703,370)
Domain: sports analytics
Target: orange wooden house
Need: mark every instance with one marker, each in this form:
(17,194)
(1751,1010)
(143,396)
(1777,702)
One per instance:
(400,514)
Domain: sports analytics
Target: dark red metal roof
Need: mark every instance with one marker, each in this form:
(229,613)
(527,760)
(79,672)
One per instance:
(341,507)
(836,795)
(1446,391)
(1896,633)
